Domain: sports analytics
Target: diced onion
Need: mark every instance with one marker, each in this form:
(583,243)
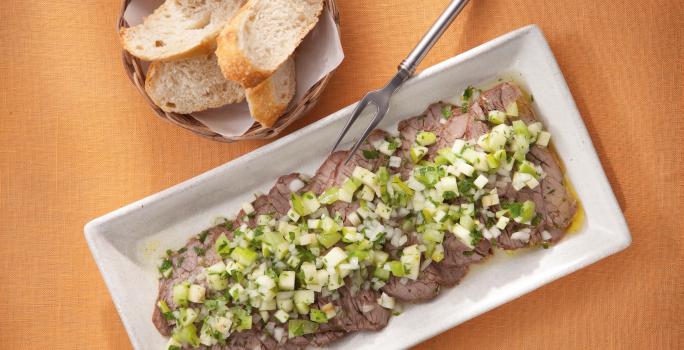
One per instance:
(521,236)
(296,185)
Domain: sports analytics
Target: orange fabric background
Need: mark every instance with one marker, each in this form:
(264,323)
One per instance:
(77,141)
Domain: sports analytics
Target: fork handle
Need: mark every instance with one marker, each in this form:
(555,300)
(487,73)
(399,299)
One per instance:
(430,38)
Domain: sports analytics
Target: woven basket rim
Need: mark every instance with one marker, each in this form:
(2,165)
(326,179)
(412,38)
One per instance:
(296,110)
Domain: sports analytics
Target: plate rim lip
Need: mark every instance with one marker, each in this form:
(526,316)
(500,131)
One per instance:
(94,236)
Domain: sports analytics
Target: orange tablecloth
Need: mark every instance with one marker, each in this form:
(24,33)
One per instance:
(77,141)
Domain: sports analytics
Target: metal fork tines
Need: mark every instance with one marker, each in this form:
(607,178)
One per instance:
(381,98)
(378,98)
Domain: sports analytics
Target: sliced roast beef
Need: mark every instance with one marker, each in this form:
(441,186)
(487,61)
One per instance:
(358,310)
(425,288)
(198,253)
(553,202)
(326,174)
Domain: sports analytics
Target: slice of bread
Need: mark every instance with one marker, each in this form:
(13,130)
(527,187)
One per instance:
(190,85)
(268,100)
(262,36)
(179,29)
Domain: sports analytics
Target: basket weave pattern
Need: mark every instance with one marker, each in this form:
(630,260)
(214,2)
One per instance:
(296,110)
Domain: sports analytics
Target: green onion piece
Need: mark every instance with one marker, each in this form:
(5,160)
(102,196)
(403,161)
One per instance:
(180,293)
(330,196)
(512,109)
(448,154)
(496,117)
(187,316)
(318,316)
(426,138)
(428,175)
(417,153)
(244,256)
(222,246)
(166,268)
(329,239)
(298,328)
(383,175)
(381,273)
(446,112)
(528,168)
(397,268)
(401,186)
(163,307)
(527,211)
(187,336)
(243,319)
(520,128)
(305,204)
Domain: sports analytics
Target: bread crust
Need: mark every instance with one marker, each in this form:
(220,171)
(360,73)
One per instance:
(262,104)
(234,65)
(265,105)
(204,47)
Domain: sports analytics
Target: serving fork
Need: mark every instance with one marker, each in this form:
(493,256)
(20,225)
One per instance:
(381,98)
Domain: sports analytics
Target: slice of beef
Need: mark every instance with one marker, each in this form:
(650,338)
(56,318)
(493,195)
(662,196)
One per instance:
(318,339)
(344,171)
(457,126)
(553,201)
(359,158)
(446,273)
(425,288)
(326,174)
(198,253)
(357,310)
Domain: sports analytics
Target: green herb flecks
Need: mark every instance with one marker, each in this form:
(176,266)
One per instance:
(368,154)
(446,112)
(199,251)
(203,236)
(465,99)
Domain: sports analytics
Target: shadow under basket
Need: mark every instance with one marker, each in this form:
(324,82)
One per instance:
(295,111)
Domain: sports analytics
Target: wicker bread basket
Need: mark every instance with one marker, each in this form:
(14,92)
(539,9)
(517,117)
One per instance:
(295,111)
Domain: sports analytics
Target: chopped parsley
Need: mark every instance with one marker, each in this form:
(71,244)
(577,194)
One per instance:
(199,251)
(513,207)
(203,236)
(446,111)
(165,267)
(182,250)
(536,220)
(305,254)
(449,195)
(394,143)
(228,225)
(465,185)
(476,237)
(531,98)
(368,154)
(468,253)
(545,245)
(465,99)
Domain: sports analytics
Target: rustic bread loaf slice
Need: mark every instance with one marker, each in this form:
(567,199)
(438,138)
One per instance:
(268,100)
(190,85)
(179,28)
(262,36)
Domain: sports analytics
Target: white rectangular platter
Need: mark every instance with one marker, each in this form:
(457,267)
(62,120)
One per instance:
(127,243)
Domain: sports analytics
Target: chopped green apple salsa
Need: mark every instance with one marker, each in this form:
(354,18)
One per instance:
(282,267)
